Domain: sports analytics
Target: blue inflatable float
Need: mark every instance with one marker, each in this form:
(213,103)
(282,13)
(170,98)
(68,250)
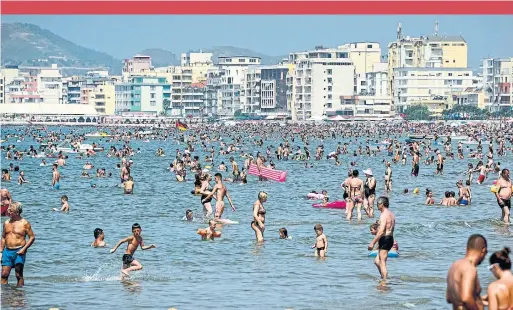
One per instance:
(390,254)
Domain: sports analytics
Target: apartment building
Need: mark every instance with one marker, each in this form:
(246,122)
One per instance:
(319,78)
(472,96)
(264,91)
(231,83)
(193,98)
(137,65)
(199,63)
(34,85)
(364,55)
(432,87)
(436,51)
(103,98)
(498,79)
(213,91)
(142,94)
(363,108)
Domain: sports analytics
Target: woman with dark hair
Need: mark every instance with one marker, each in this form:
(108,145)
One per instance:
(500,292)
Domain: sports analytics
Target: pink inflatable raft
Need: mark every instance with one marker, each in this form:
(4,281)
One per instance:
(271,174)
(338,204)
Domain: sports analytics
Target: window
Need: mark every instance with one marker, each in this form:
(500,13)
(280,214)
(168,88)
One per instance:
(252,60)
(152,88)
(152,95)
(329,71)
(242,60)
(330,80)
(450,74)
(454,60)
(330,105)
(369,45)
(329,96)
(153,103)
(329,88)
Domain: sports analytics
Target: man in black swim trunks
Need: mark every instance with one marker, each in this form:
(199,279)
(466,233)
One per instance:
(503,194)
(384,236)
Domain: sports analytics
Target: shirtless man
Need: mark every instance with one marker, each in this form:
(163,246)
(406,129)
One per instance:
(503,194)
(129,263)
(56,177)
(235,169)
(384,237)
(221,191)
(14,244)
(61,161)
(356,189)
(463,286)
(415,164)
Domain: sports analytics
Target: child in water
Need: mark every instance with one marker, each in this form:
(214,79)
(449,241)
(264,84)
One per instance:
(64,205)
(98,238)
(129,186)
(283,233)
(321,242)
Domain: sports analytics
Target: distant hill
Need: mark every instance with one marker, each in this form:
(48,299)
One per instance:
(237,51)
(30,45)
(161,57)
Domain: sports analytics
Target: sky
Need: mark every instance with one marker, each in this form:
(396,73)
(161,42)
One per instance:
(125,35)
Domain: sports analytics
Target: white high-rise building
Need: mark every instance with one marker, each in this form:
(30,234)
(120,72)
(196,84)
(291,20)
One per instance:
(234,71)
(319,78)
(364,55)
(36,85)
(498,82)
(433,87)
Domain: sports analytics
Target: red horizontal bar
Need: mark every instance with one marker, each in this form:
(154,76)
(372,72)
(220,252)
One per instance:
(257,7)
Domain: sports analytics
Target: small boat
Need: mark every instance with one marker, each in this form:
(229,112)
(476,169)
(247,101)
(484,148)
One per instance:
(67,147)
(97,135)
(417,137)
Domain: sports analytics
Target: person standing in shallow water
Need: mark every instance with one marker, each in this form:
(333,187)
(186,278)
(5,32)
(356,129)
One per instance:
(14,244)
(503,195)
(258,223)
(463,288)
(56,177)
(384,236)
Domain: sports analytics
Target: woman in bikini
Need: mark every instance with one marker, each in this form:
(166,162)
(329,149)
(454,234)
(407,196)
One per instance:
(259,216)
(204,191)
(355,196)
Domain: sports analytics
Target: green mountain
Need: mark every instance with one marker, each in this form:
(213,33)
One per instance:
(30,45)
(161,57)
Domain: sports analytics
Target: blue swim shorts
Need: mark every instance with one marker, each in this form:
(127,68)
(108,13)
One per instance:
(57,186)
(11,258)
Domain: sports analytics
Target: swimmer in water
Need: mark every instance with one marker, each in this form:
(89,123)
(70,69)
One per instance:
(210,232)
(188,216)
(429,198)
(56,177)
(98,238)
(134,241)
(128,186)
(64,205)
(321,242)
(500,292)
(283,233)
